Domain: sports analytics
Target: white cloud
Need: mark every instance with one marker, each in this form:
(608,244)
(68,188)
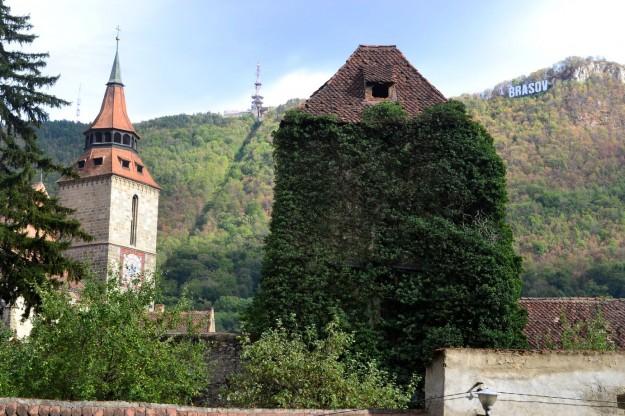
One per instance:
(296,84)
(79,35)
(300,83)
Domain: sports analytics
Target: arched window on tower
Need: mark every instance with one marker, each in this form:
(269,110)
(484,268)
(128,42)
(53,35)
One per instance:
(133,222)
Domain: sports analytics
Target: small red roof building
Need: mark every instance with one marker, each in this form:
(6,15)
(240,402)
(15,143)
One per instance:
(545,318)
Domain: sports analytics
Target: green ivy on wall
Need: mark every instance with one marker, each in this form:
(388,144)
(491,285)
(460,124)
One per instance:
(397,227)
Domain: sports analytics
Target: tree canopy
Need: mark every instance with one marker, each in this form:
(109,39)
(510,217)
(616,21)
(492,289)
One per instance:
(294,370)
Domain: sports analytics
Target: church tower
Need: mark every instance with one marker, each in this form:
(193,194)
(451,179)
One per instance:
(114,197)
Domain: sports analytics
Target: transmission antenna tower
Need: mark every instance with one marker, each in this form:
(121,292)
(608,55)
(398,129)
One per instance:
(257,99)
(78,103)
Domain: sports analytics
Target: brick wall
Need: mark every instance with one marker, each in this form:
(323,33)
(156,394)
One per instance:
(34,407)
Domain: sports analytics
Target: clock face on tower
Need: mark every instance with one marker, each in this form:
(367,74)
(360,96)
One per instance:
(132,266)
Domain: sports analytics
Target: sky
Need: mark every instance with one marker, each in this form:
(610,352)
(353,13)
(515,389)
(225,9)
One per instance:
(194,56)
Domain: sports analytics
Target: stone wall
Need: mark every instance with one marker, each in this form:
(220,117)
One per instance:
(543,382)
(32,407)
(122,191)
(103,205)
(90,199)
(223,359)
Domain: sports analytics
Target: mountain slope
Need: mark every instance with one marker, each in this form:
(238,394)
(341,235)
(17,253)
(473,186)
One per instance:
(564,149)
(565,153)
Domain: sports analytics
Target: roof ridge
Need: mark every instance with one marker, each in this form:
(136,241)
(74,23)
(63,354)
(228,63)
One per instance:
(572,298)
(377,46)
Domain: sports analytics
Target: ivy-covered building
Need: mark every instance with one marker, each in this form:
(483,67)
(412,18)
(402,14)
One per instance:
(389,216)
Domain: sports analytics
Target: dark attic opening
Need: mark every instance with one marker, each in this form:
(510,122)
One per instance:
(380,89)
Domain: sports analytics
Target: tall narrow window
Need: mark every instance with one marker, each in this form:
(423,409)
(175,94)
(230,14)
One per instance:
(133,223)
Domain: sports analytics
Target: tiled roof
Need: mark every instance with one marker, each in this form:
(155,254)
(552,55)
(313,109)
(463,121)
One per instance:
(113,113)
(544,318)
(199,322)
(112,158)
(344,94)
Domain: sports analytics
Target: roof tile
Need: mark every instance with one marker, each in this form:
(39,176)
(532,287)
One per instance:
(544,315)
(344,94)
(112,158)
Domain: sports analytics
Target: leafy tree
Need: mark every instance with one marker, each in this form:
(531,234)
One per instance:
(102,347)
(294,370)
(586,335)
(228,310)
(28,259)
(396,225)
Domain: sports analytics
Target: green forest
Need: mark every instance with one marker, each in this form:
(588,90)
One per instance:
(564,151)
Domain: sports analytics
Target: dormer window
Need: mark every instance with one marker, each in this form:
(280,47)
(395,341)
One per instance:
(125,163)
(81,164)
(379,82)
(97,161)
(139,168)
(380,89)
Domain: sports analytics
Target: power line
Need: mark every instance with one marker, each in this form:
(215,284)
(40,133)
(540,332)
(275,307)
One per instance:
(611,404)
(446,395)
(560,397)
(559,403)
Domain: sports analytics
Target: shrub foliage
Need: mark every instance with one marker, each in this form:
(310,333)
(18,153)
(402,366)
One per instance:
(294,370)
(103,347)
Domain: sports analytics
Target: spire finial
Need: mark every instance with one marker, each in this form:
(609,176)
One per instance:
(117,36)
(116,73)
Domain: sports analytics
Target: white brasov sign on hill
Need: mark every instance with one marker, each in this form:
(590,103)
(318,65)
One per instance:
(528,88)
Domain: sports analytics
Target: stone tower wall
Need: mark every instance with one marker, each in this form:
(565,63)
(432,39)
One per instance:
(103,205)
(90,198)
(122,191)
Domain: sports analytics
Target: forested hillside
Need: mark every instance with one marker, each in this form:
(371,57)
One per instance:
(565,153)
(564,149)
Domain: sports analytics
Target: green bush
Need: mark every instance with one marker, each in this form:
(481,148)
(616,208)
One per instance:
(295,370)
(102,347)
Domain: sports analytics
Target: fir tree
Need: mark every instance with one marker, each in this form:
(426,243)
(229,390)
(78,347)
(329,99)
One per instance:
(28,260)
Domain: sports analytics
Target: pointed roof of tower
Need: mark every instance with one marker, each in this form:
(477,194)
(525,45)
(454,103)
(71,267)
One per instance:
(116,72)
(113,113)
(345,94)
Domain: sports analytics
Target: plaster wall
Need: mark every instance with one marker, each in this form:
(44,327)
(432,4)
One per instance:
(13,319)
(528,382)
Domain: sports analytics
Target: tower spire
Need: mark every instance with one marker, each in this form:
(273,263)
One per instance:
(116,73)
